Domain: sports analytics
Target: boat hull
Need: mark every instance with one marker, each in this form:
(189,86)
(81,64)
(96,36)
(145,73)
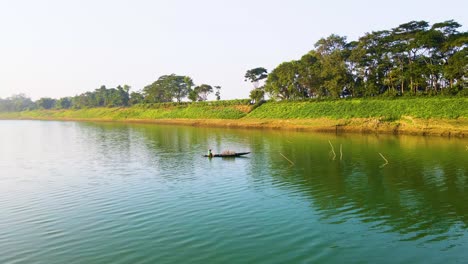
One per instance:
(227,155)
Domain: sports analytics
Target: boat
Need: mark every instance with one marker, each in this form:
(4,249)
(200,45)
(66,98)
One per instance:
(227,155)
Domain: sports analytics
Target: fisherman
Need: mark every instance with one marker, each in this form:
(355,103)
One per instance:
(210,154)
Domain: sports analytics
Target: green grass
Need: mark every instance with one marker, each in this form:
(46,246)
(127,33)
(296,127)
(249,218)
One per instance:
(233,109)
(385,109)
(388,109)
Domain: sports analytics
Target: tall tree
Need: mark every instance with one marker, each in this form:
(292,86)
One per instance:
(282,81)
(63,103)
(167,88)
(218,92)
(202,91)
(16,103)
(370,64)
(46,103)
(21,102)
(136,98)
(255,75)
(257,95)
(310,82)
(406,52)
(333,54)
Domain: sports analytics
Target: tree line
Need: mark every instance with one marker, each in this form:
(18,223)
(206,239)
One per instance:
(167,88)
(411,59)
(414,58)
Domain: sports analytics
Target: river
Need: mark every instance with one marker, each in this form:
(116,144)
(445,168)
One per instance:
(79,192)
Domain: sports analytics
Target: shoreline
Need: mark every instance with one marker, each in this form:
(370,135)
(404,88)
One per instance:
(404,126)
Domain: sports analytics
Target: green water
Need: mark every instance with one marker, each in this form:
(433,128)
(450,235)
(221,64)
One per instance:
(129,193)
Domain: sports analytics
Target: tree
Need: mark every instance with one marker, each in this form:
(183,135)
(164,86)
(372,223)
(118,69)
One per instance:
(63,103)
(46,103)
(203,91)
(406,51)
(282,81)
(333,53)
(370,63)
(124,94)
(100,96)
(257,95)
(193,96)
(136,98)
(456,70)
(157,92)
(309,78)
(20,102)
(256,75)
(183,86)
(167,88)
(218,93)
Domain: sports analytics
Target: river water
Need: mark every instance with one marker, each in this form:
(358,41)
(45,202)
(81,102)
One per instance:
(77,192)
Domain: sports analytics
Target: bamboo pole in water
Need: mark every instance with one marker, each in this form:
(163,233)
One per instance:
(292,163)
(341,151)
(386,161)
(332,149)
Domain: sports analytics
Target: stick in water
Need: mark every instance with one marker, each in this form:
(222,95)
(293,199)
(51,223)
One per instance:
(286,158)
(341,151)
(332,149)
(386,161)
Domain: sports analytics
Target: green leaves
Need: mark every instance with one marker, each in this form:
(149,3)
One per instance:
(255,75)
(167,88)
(412,58)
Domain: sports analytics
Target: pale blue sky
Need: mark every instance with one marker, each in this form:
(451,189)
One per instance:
(57,48)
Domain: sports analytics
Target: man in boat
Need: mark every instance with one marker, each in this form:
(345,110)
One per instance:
(210,154)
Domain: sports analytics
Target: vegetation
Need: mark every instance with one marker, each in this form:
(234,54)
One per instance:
(255,76)
(388,109)
(424,66)
(200,93)
(166,89)
(233,109)
(385,109)
(413,58)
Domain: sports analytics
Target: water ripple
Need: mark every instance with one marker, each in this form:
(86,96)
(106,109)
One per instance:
(143,194)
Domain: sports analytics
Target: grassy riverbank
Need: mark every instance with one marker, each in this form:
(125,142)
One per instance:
(428,116)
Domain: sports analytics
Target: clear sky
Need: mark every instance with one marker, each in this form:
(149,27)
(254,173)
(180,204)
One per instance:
(57,48)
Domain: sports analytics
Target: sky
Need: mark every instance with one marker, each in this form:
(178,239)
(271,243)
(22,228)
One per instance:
(58,48)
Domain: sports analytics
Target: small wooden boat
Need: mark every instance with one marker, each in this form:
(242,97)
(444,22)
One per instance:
(228,155)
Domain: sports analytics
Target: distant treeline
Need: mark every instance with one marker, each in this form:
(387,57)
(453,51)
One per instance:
(411,59)
(167,88)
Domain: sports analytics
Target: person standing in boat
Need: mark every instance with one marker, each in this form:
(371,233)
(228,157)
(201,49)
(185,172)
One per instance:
(210,154)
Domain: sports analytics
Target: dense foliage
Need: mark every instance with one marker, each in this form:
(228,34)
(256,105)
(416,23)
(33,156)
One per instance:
(413,58)
(16,103)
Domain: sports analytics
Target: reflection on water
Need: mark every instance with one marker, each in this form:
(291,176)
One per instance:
(421,191)
(125,193)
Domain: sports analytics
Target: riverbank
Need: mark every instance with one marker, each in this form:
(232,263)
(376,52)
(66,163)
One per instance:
(420,116)
(406,125)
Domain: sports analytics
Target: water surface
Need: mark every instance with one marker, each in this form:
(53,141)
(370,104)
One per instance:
(75,192)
